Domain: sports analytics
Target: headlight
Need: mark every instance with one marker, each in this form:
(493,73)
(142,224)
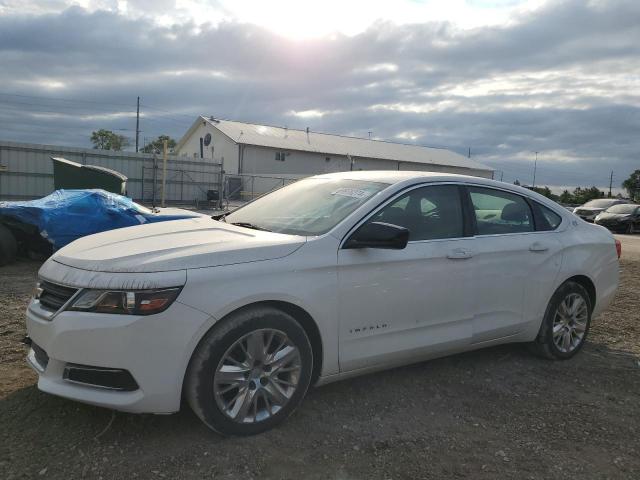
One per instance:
(139,302)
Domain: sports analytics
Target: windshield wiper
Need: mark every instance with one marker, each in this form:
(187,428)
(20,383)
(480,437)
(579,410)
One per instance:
(250,225)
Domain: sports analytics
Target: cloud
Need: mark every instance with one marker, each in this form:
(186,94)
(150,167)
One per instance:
(562,79)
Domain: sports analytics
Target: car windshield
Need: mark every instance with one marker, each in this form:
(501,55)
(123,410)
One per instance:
(602,203)
(308,207)
(624,208)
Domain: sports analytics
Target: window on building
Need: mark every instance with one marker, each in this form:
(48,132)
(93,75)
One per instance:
(280,156)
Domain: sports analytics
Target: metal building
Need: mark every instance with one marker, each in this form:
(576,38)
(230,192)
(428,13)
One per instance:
(250,149)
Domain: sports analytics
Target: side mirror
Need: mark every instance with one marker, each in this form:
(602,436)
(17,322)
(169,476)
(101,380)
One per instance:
(379,235)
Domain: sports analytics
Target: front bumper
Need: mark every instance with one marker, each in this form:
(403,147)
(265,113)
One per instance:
(155,349)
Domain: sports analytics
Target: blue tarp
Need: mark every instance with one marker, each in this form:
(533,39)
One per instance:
(67,215)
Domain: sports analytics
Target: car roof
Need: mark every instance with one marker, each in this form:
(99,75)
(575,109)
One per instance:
(395,176)
(403,178)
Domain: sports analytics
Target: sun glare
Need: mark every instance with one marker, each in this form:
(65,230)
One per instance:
(298,19)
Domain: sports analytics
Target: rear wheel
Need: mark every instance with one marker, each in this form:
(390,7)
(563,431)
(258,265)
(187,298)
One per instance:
(249,373)
(566,323)
(8,246)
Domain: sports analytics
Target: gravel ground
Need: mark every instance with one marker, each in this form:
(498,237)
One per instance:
(495,413)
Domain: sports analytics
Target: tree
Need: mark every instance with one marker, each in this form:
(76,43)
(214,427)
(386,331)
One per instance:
(157,145)
(546,191)
(580,195)
(566,197)
(632,185)
(583,195)
(107,140)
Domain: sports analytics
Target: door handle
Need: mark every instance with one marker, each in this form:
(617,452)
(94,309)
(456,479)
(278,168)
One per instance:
(538,247)
(459,254)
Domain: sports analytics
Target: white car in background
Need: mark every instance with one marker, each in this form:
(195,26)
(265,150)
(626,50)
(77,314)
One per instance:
(333,276)
(590,210)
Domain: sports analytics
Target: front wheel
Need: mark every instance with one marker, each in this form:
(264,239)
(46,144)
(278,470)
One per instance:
(250,372)
(566,323)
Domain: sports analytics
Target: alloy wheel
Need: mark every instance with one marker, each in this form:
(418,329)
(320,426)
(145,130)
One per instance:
(570,323)
(257,376)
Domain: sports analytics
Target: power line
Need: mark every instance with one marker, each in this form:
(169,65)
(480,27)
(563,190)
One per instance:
(59,107)
(46,104)
(73,100)
(50,106)
(522,172)
(167,111)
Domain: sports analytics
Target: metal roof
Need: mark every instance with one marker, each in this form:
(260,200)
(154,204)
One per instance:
(301,140)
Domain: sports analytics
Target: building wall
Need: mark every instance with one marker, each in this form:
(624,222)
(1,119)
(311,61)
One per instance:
(221,148)
(262,161)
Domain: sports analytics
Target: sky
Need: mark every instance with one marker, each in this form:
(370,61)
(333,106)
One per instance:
(503,78)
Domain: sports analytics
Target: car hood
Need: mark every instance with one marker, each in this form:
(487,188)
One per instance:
(175,245)
(590,209)
(613,216)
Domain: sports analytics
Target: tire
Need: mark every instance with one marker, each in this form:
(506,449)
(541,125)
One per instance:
(8,246)
(556,316)
(270,385)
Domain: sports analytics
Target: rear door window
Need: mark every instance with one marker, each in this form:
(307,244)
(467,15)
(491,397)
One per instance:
(498,212)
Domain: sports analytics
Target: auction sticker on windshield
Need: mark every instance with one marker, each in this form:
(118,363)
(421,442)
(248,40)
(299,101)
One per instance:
(352,192)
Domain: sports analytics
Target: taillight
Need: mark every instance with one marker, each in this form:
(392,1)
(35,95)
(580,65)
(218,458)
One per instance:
(618,247)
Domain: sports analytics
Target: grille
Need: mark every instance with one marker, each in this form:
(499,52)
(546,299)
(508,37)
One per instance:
(54,296)
(109,378)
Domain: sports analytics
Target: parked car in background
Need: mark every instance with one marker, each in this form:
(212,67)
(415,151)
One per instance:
(333,276)
(39,227)
(570,206)
(623,218)
(589,210)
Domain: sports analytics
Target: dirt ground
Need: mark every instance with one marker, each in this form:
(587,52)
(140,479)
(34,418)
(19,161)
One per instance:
(495,413)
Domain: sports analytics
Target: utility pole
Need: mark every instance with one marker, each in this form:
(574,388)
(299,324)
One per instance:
(137,124)
(501,174)
(535,167)
(469,155)
(610,183)
(164,170)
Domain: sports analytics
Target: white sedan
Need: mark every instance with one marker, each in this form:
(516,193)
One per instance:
(333,276)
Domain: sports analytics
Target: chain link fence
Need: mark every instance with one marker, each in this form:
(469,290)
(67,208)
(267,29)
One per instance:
(207,188)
